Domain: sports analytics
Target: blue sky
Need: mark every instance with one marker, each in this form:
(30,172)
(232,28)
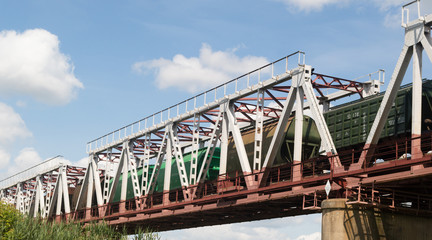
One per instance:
(71,71)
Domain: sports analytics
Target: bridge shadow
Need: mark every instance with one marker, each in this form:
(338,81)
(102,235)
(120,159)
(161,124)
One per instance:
(363,223)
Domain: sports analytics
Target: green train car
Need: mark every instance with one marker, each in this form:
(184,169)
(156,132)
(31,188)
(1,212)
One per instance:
(311,144)
(212,173)
(350,123)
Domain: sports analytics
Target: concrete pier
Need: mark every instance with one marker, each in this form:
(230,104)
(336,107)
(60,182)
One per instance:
(341,221)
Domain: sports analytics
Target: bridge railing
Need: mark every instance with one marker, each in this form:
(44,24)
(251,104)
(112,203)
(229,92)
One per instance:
(204,99)
(406,12)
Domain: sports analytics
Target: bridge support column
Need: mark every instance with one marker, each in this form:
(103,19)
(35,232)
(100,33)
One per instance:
(342,221)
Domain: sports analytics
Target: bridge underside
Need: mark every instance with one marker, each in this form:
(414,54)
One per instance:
(223,212)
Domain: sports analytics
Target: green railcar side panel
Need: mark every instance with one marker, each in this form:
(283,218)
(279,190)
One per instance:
(212,173)
(350,123)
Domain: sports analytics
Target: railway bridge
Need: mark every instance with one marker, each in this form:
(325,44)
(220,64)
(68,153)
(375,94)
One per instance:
(271,143)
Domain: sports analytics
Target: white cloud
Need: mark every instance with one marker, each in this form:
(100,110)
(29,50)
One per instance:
(4,158)
(385,5)
(12,126)
(310,5)
(198,73)
(232,231)
(31,64)
(26,158)
(313,236)
(318,5)
(300,228)
(21,103)
(83,162)
(392,20)
(28,164)
(392,8)
(318,219)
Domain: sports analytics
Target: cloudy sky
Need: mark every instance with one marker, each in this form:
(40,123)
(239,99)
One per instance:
(71,71)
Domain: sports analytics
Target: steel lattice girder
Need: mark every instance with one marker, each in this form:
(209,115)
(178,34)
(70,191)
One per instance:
(245,110)
(36,195)
(417,39)
(240,110)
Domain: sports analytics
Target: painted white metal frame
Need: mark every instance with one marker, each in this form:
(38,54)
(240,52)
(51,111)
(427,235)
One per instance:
(45,195)
(417,38)
(301,86)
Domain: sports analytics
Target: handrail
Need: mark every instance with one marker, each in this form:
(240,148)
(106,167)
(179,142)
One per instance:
(406,18)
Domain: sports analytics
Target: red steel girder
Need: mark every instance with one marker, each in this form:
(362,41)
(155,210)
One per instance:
(322,81)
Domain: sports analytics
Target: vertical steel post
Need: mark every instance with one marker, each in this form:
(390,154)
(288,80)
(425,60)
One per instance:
(124,184)
(168,166)
(417,93)
(58,194)
(65,188)
(257,159)
(39,200)
(224,141)
(107,176)
(145,165)
(298,131)
(47,197)
(195,148)
(18,201)
(89,187)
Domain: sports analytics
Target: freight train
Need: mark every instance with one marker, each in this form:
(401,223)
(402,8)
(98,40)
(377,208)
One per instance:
(348,124)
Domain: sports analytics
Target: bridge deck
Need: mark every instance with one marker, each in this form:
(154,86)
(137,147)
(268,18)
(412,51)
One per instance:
(386,183)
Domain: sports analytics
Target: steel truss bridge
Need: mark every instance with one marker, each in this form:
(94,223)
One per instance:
(393,174)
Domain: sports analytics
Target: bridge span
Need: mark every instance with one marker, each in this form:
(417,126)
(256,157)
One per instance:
(264,145)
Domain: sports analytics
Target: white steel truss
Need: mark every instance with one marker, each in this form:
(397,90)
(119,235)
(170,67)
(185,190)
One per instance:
(45,194)
(417,39)
(248,102)
(259,124)
(301,87)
